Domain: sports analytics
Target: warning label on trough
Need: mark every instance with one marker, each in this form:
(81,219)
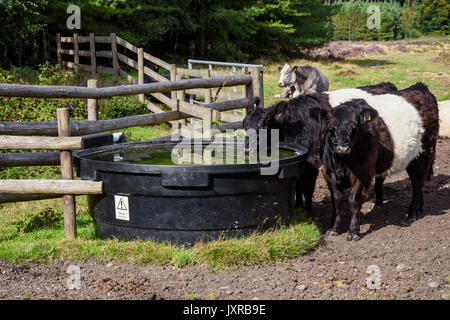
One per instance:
(122,208)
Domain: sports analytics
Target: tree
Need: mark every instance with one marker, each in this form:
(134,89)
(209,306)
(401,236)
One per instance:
(20,24)
(433,15)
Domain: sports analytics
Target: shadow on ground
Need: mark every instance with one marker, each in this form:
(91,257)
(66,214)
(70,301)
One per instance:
(397,197)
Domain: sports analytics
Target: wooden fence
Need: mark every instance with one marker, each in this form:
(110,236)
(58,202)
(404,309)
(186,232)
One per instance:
(64,135)
(119,61)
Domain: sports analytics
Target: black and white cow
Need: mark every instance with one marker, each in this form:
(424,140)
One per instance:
(301,79)
(372,138)
(292,119)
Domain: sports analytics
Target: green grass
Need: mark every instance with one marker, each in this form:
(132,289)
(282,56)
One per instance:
(402,69)
(34,232)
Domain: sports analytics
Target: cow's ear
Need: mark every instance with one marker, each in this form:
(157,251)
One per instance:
(279,68)
(318,114)
(367,115)
(255,103)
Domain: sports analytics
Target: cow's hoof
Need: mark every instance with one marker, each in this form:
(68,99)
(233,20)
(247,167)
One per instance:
(412,218)
(353,237)
(331,233)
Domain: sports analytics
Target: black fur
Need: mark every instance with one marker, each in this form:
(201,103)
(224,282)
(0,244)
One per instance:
(350,171)
(295,123)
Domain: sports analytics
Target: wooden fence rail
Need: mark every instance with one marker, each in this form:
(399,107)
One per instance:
(117,54)
(37,91)
(84,127)
(61,187)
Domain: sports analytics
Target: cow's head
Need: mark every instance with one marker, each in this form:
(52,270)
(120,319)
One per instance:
(287,75)
(343,124)
(258,118)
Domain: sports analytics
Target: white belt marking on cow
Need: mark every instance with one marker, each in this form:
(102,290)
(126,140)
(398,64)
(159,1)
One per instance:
(402,119)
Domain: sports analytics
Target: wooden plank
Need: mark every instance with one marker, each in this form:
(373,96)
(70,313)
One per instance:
(228,95)
(19,197)
(154,75)
(150,106)
(68,51)
(114,56)
(36,143)
(126,44)
(67,39)
(218,73)
(83,39)
(129,78)
(70,210)
(157,61)
(74,187)
(92,103)
(102,39)
(29,159)
(191,72)
(84,53)
(141,71)
(130,62)
(36,91)
(105,54)
(173,77)
(79,128)
(254,71)
(93,56)
(229,117)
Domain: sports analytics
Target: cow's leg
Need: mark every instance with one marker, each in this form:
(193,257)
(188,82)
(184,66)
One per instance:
(337,199)
(378,200)
(416,173)
(311,173)
(299,192)
(354,205)
(284,94)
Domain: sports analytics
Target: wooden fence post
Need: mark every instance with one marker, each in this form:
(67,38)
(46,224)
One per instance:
(207,122)
(256,84)
(245,94)
(92,103)
(173,95)
(58,50)
(76,56)
(114,56)
(180,97)
(70,214)
(208,92)
(141,71)
(93,57)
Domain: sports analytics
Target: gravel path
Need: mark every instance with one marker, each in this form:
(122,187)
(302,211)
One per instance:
(406,261)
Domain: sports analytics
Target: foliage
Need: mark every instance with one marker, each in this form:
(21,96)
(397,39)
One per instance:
(350,23)
(433,16)
(117,107)
(224,29)
(20,23)
(47,218)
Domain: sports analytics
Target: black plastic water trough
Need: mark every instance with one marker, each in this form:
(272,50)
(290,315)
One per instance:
(186,203)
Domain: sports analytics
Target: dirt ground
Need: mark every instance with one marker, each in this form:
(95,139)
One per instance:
(409,261)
